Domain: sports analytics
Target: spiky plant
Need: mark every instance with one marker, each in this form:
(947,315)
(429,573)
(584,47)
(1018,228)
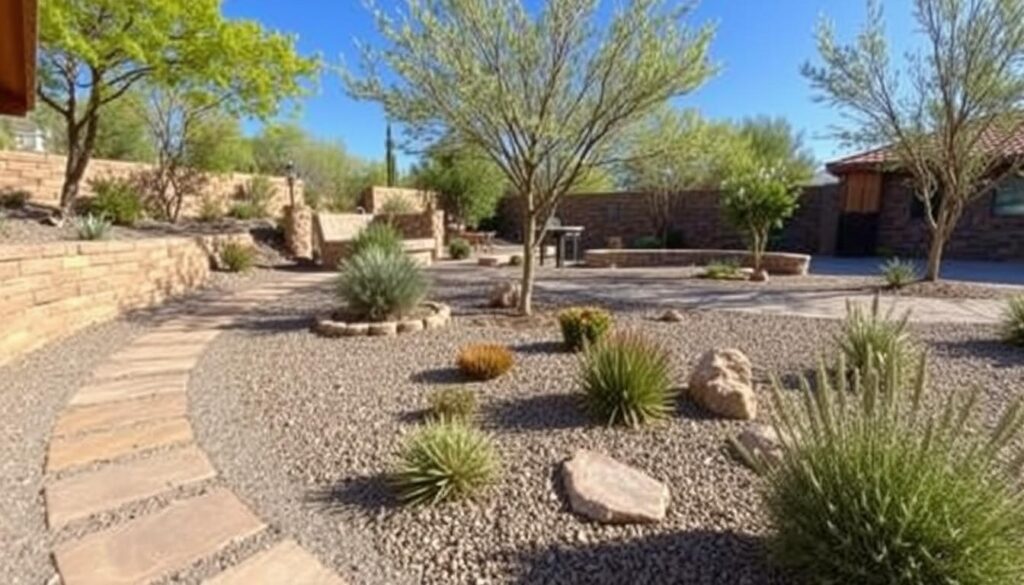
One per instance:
(382,236)
(583,325)
(871,339)
(899,273)
(484,361)
(236,257)
(875,485)
(1013,321)
(448,404)
(627,380)
(93,227)
(378,284)
(444,460)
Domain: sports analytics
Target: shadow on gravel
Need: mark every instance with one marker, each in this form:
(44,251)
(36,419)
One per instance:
(438,376)
(539,413)
(540,347)
(271,324)
(994,351)
(368,493)
(698,556)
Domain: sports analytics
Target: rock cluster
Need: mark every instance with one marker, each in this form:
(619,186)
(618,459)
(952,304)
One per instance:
(504,295)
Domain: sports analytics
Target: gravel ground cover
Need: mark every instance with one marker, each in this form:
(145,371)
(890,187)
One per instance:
(305,429)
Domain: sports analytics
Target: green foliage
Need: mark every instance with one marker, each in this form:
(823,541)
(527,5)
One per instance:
(880,484)
(397,206)
(1013,321)
(626,380)
(515,260)
(453,404)
(899,273)
(758,199)
(484,361)
(93,227)
(236,257)
(246,210)
(468,185)
(648,243)
(210,209)
(116,199)
(774,141)
(582,326)
(727,269)
(379,284)
(459,249)
(14,198)
(870,341)
(379,235)
(215,143)
(6,136)
(445,460)
(122,133)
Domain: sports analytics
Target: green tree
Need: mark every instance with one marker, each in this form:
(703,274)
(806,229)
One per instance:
(757,200)
(947,117)
(276,145)
(122,134)
(218,145)
(468,184)
(92,53)
(774,140)
(543,93)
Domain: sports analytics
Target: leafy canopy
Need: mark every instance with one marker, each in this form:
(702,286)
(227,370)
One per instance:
(468,183)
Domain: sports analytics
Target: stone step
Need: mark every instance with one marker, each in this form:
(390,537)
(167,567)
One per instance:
(115,485)
(149,351)
(67,452)
(159,544)
(161,337)
(285,562)
(114,369)
(109,415)
(128,388)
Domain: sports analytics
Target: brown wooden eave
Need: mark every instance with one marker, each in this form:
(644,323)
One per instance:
(17,56)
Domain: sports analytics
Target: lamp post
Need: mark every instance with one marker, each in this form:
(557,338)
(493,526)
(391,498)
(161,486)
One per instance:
(290,176)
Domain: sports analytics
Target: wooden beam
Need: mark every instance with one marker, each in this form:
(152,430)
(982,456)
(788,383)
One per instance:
(18,33)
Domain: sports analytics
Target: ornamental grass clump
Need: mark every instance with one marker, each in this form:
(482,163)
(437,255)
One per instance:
(1013,321)
(236,257)
(583,325)
(484,361)
(453,404)
(459,249)
(382,236)
(444,460)
(627,380)
(898,274)
(876,484)
(870,339)
(377,284)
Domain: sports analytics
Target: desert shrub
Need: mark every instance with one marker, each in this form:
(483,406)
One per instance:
(93,227)
(13,198)
(453,404)
(459,249)
(245,210)
(727,269)
(378,284)
(210,209)
(397,206)
(626,380)
(383,236)
(869,339)
(1013,321)
(118,200)
(583,325)
(875,485)
(899,273)
(484,361)
(444,460)
(236,257)
(648,243)
(515,260)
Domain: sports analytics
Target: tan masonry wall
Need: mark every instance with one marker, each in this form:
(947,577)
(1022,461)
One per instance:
(42,175)
(48,291)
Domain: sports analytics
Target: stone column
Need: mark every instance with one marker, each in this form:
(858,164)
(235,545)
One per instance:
(298,230)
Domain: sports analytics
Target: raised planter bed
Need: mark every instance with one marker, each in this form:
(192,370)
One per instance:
(434,316)
(774,262)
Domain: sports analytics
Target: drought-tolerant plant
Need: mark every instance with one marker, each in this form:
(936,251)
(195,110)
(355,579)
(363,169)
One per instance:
(870,339)
(1013,321)
(515,260)
(378,284)
(899,273)
(875,485)
(13,198)
(583,325)
(245,210)
(381,235)
(448,404)
(484,361)
(236,257)
(444,460)
(397,206)
(116,199)
(627,380)
(727,269)
(210,209)
(459,249)
(648,243)
(93,227)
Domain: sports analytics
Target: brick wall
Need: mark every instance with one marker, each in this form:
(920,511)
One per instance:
(43,174)
(48,291)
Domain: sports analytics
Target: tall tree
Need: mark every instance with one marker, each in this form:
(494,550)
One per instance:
(948,115)
(93,52)
(542,93)
(468,183)
(775,140)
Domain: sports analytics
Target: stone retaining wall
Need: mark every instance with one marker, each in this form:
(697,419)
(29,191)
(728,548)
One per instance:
(48,291)
(774,262)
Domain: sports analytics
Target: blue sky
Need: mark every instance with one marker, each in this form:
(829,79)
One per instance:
(760,44)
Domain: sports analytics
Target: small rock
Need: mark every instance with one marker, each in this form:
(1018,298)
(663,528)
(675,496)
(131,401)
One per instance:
(723,383)
(761,443)
(760,276)
(410,326)
(611,492)
(357,329)
(435,321)
(504,295)
(385,329)
(672,316)
(488,261)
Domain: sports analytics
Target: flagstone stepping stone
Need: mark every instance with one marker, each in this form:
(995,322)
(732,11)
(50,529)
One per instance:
(150,351)
(108,415)
(115,485)
(115,369)
(611,492)
(286,562)
(128,388)
(67,452)
(161,337)
(152,546)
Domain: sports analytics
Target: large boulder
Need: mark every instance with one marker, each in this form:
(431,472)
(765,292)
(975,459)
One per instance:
(723,383)
(504,295)
(611,492)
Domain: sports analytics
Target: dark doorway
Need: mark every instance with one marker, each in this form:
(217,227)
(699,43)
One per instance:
(858,234)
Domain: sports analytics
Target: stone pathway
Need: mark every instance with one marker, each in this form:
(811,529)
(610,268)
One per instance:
(125,438)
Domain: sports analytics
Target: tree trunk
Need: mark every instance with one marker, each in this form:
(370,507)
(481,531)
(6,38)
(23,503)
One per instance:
(79,154)
(935,249)
(529,246)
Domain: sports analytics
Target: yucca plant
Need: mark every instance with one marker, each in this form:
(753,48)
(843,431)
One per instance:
(627,380)
(870,339)
(583,325)
(1013,321)
(484,361)
(448,404)
(382,236)
(378,284)
(444,460)
(236,257)
(899,273)
(93,227)
(875,487)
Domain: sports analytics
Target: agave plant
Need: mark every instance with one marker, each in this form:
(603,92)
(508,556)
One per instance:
(899,273)
(626,380)
(379,284)
(93,227)
(446,459)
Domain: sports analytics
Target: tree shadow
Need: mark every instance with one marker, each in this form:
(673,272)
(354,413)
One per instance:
(540,348)
(446,375)
(993,351)
(538,413)
(367,492)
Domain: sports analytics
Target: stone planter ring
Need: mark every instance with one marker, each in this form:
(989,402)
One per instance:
(438,315)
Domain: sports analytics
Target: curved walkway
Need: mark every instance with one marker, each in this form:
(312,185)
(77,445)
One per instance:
(125,438)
